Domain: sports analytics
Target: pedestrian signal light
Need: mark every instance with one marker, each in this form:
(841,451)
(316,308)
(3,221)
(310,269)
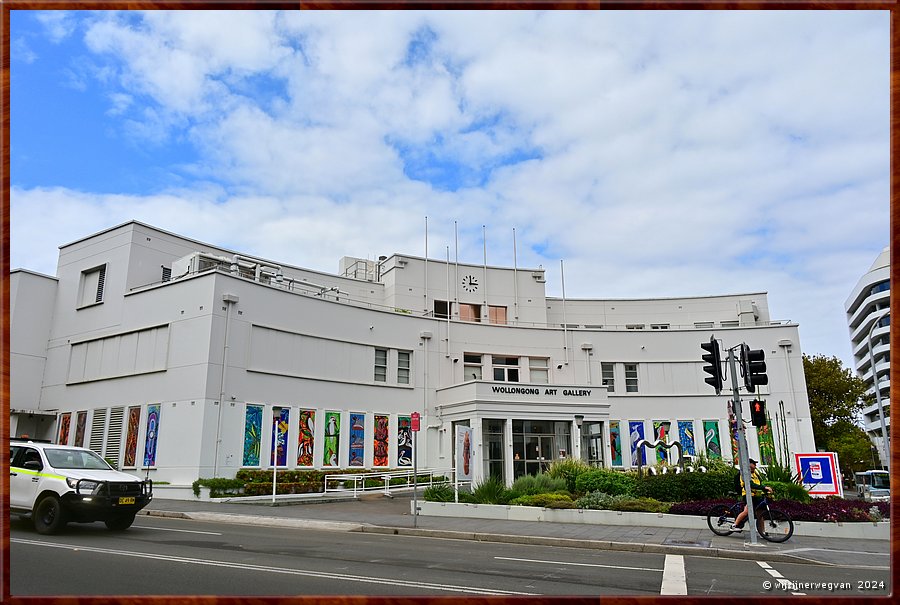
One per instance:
(753,367)
(758,412)
(713,359)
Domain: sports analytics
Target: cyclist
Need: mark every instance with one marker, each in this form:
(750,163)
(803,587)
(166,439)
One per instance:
(757,492)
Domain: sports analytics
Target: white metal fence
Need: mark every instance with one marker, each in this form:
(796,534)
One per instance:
(385,482)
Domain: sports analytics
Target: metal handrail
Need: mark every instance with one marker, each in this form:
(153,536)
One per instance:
(359,480)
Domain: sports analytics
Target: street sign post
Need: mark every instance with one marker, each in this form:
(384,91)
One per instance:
(415,422)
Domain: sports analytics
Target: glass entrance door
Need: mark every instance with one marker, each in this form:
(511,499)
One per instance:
(534,445)
(592,443)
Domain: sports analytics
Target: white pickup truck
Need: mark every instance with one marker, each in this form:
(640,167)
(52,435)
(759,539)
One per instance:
(55,484)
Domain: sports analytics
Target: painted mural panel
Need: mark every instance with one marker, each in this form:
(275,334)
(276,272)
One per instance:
(711,439)
(766,442)
(153,411)
(306,439)
(686,437)
(357,439)
(332,439)
(80,424)
(278,455)
(64,421)
(381,444)
(252,435)
(404,441)
(615,442)
(636,433)
(661,430)
(131,436)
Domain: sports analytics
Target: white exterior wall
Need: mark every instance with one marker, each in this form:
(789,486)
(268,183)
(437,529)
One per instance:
(154,343)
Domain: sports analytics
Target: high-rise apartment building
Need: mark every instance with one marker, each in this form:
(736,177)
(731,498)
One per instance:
(867,316)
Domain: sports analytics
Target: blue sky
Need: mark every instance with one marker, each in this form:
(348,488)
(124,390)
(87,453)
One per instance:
(658,153)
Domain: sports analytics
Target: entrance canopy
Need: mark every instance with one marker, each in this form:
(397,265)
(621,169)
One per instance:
(517,400)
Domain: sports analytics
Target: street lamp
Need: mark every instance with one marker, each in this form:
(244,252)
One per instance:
(884,434)
(276,416)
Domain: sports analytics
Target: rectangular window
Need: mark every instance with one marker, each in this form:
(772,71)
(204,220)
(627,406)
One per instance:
(703,324)
(659,326)
(442,309)
(497,315)
(634,326)
(403,367)
(607,376)
(730,324)
(537,369)
(469,312)
(472,366)
(92,282)
(631,378)
(506,369)
(380,365)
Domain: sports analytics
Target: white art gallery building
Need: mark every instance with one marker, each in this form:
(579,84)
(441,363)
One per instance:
(180,359)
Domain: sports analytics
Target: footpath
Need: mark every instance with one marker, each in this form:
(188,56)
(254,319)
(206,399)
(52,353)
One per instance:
(376,513)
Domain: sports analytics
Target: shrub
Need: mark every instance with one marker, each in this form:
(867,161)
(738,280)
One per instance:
(606,481)
(491,491)
(529,485)
(640,505)
(263,489)
(439,492)
(568,469)
(821,510)
(597,501)
(778,473)
(218,487)
(789,491)
(683,487)
(546,500)
(703,463)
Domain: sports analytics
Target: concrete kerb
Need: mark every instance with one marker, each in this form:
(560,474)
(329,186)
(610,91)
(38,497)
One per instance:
(262,521)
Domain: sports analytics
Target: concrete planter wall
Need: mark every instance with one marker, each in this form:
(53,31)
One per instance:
(873,531)
(179,492)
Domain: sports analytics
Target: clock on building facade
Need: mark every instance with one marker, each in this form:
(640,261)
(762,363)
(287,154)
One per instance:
(469,283)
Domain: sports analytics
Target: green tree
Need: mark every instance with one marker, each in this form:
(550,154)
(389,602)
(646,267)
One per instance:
(836,400)
(853,447)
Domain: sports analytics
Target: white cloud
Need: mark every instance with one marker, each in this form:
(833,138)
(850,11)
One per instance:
(677,153)
(58,25)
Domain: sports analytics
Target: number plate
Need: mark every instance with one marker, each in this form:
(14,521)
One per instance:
(126,500)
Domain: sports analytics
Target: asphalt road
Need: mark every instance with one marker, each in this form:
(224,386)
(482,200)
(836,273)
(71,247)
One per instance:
(164,556)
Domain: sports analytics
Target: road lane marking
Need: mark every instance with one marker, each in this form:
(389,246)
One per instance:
(774,573)
(186,531)
(578,564)
(278,570)
(674,580)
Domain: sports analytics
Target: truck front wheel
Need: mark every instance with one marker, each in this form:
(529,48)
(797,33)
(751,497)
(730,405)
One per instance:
(48,516)
(120,523)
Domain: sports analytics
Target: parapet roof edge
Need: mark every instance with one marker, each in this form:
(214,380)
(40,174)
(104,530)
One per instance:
(444,262)
(697,297)
(32,272)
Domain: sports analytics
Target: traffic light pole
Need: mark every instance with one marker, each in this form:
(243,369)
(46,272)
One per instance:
(742,447)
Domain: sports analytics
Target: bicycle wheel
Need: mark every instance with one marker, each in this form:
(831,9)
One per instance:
(778,526)
(720,519)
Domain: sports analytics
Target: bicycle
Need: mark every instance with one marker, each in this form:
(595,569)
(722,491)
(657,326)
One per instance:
(774,525)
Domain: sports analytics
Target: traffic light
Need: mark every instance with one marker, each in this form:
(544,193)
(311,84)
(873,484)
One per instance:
(714,359)
(753,367)
(758,412)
